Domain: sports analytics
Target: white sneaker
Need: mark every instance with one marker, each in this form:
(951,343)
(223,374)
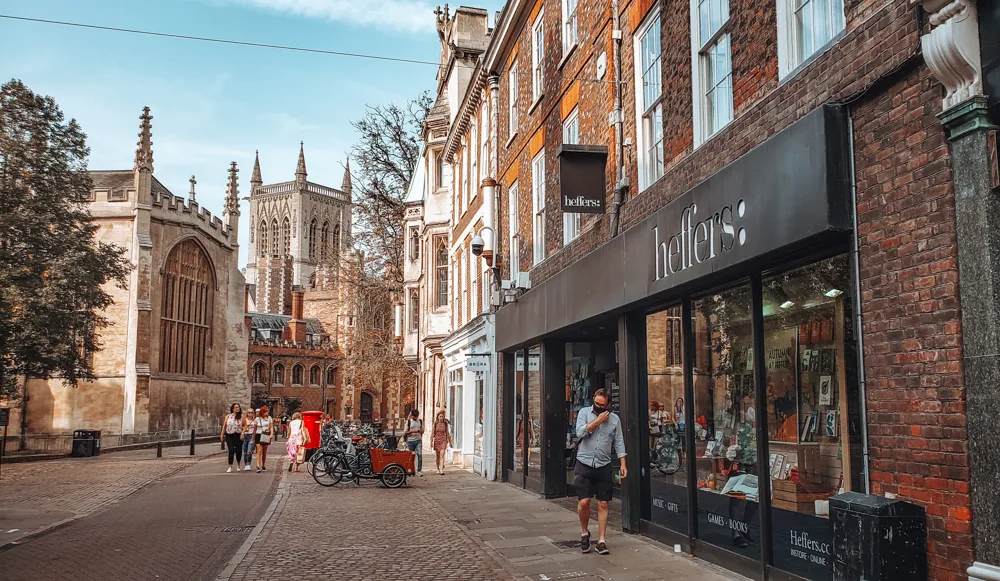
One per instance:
(230,469)
(246,468)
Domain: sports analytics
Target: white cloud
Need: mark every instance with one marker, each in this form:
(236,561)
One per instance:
(397,15)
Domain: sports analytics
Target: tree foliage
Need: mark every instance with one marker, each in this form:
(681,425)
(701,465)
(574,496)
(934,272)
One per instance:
(385,156)
(53,275)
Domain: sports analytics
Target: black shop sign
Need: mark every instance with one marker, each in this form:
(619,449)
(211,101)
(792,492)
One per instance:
(581,178)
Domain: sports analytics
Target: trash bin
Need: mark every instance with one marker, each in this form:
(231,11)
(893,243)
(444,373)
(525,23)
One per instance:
(313,422)
(86,443)
(877,538)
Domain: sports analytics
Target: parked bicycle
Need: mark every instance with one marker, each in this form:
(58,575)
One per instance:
(665,455)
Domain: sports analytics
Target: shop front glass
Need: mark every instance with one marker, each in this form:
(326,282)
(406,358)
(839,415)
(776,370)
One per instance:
(478,448)
(665,400)
(580,375)
(805,338)
(725,453)
(456,378)
(518,416)
(534,413)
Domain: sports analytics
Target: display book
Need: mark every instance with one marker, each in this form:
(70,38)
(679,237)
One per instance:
(577,393)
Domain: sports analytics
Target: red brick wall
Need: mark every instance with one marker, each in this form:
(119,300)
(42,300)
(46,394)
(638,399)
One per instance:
(916,409)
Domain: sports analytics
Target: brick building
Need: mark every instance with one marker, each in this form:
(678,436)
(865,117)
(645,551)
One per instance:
(793,272)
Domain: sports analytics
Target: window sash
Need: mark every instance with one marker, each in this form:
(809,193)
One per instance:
(513,113)
(649,44)
(538,56)
(569,25)
(815,23)
(571,227)
(538,207)
(652,131)
(513,228)
(571,129)
(718,94)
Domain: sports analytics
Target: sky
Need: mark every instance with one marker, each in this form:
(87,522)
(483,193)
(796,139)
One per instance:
(213,103)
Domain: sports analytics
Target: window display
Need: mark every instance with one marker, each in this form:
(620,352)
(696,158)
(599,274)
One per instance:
(579,369)
(725,422)
(478,447)
(534,412)
(805,318)
(519,377)
(665,397)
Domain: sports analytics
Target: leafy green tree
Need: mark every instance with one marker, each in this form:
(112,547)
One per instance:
(53,275)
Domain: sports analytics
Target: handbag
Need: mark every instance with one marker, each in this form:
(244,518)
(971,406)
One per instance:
(305,438)
(300,456)
(264,438)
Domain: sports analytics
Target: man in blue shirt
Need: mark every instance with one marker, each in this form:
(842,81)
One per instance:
(601,441)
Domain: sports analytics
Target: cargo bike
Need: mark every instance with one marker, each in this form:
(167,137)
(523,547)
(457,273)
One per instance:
(365,456)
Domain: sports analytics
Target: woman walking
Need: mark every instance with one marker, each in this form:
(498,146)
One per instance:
(441,439)
(248,443)
(232,435)
(298,437)
(263,432)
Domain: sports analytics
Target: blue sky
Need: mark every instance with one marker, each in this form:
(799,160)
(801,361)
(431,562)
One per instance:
(215,103)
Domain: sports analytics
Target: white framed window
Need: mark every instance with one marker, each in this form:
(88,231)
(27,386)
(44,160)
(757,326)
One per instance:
(571,135)
(538,57)
(484,159)
(712,67)
(649,101)
(512,98)
(538,207)
(513,231)
(804,27)
(465,177)
(569,25)
(473,281)
(474,162)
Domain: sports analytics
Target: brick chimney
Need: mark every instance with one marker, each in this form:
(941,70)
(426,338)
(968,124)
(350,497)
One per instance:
(297,327)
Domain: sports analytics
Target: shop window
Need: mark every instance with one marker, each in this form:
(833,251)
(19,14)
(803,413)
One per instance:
(519,379)
(534,413)
(725,419)
(806,322)
(456,379)
(478,446)
(668,500)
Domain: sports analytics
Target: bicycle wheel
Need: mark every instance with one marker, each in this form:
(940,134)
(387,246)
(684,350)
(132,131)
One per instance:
(393,476)
(328,471)
(671,463)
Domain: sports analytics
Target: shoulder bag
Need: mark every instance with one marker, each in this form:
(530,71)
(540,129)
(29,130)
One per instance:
(265,437)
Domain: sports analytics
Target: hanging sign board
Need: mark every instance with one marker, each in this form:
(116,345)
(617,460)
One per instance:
(582,186)
(477,364)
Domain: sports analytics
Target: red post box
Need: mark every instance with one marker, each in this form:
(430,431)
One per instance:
(313,422)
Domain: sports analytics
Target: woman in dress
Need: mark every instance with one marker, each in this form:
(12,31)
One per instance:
(296,441)
(441,439)
(232,435)
(263,433)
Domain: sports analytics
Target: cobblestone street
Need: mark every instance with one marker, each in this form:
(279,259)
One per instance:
(456,526)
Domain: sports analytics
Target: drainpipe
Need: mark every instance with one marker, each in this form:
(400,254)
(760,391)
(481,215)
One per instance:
(621,183)
(856,250)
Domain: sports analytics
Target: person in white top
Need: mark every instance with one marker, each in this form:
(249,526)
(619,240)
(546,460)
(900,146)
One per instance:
(248,443)
(264,430)
(298,437)
(232,435)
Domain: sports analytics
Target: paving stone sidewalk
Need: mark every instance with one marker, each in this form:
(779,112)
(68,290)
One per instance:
(456,526)
(35,496)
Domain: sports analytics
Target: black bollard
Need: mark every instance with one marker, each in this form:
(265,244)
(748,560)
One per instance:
(192,442)
(159,449)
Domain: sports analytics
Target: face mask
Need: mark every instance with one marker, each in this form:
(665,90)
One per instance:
(599,410)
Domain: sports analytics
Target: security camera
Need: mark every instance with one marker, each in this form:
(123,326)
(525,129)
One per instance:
(477,245)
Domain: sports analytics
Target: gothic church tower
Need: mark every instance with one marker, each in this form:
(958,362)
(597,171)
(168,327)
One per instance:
(298,231)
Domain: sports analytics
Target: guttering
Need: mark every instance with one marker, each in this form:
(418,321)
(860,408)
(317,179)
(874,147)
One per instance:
(503,31)
(471,99)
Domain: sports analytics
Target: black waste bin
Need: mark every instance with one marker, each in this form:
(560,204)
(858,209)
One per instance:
(877,539)
(86,443)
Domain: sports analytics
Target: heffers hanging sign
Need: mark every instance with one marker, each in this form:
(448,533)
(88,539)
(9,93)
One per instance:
(582,186)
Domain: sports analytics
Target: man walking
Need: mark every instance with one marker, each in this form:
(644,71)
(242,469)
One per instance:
(413,433)
(600,433)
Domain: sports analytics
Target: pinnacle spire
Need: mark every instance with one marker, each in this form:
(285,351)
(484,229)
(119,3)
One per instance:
(193,181)
(144,149)
(232,206)
(255,179)
(300,169)
(345,186)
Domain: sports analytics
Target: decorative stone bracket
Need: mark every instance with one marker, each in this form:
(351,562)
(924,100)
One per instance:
(951,48)
(984,572)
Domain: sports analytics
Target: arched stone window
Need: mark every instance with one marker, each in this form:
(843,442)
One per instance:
(186,315)
(259,372)
(262,238)
(312,240)
(324,241)
(286,235)
(331,375)
(274,237)
(335,250)
(278,377)
(314,375)
(297,374)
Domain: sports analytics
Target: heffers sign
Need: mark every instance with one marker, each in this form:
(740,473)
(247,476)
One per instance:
(582,186)
(699,237)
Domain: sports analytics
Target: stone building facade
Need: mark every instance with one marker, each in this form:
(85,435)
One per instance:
(175,354)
